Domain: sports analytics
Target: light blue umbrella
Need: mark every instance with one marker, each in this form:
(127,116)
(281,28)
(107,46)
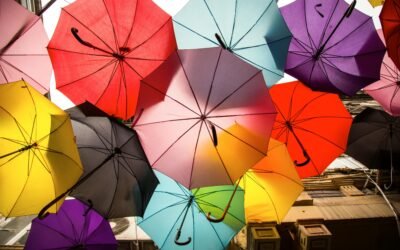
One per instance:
(175,217)
(253,30)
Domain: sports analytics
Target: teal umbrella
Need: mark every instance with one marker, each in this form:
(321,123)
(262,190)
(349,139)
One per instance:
(253,30)
(175,217)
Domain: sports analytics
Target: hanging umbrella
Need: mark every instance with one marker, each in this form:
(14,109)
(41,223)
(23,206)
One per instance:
(390,20)
(314,126)
(38,154)
(23,44)
(175,216)
(271,186)
(252,30)
(75,226)
(374,139)
(101,50)
(386,90)
(335,48)
(376,3)
(118,180)
(209,91)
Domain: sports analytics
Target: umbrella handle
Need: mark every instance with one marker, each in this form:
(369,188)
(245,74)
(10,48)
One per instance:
(43,213)
(301,164)
(75,31)
(220,219)
(214,134)
(183,243)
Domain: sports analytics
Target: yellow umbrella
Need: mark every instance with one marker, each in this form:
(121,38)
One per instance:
(376,3)
(271,186)
(38,155)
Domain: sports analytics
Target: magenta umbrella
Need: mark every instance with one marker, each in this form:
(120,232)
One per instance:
(386,90)
(74,226)
(190,134)
(23,53)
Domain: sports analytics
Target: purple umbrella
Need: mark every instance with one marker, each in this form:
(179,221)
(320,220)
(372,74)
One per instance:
(75,226)
(335,48)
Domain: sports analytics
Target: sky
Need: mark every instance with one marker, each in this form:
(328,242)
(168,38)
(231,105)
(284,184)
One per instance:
(51,16)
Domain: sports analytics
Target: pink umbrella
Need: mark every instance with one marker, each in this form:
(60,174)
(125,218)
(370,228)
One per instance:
(189,134)
(386,90)
(23,42)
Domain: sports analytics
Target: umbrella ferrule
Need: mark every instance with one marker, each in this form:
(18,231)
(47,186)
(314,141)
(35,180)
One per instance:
(117,151)
(120,57)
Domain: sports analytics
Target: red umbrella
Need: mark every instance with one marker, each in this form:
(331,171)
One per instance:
(190,135)
(390,20)
(101,50)
(23,44)
(314,126)
(386,90)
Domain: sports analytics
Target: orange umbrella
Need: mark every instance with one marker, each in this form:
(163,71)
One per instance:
(271,186)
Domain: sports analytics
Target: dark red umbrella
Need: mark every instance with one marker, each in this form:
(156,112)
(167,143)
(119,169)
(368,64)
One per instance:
(101,50)
(23,44)
(390,20)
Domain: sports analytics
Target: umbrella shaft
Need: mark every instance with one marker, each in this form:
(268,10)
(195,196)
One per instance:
(20,150)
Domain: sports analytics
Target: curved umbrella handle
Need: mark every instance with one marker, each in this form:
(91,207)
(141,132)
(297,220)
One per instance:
(183,243)
(43,213)
(220,219)
(301,164)
(74,32)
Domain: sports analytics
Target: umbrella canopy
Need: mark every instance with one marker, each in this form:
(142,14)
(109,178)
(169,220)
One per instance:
(314,126)
(253,30)
(335,48)
(23,44)
(376,3)
(175,217)
(271,186)
(38,154)
(101,50)
(374,139)
(75,226)
(209,91)
(386,90)
(117,179)
(390,20)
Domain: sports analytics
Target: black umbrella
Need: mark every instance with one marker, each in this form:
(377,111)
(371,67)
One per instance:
(374,139)
(118,180)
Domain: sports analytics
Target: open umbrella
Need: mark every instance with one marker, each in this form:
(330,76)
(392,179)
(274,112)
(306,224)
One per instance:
(38,154)
(271,186)
(209,91)
(23,44)
(101,50)
(335,48)
(118,180)
(75,226)
(374,139)
(253,30)
(314,126)
(390,20)
(376,3)
(386,90)
(175,217)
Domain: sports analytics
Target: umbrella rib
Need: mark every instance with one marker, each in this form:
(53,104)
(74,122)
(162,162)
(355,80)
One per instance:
(248,114)
(234,24)
(206,203)
(115,69)
(233,92)
(20,71)
(212,81)
(172,120)
(3,73)
(346,36)
(393,97)
(81,53)
(131,26)
(75,231)
(320,136)
(56,231)
(173,143)
(307,48)
(394,73)
(262,171)
(165,94)
(282,131)
(319,117)
(215,21)
(194,32)
(289,114)
(112,26)
(194,154)
(19,195)
(310,40)
(327,24)
(255,23)
(100,136)
(90,74)
(215,231)
(116,171)
(12,158)
(91,31)
(60,153)
(309,102)
(259,66)
(188,82)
